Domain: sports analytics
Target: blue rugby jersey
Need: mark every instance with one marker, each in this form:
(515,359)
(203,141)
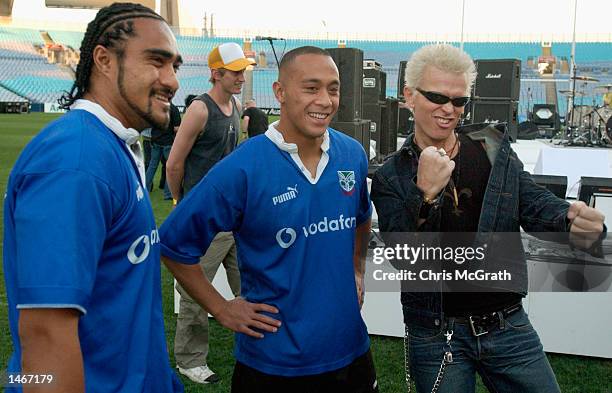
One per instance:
(295,245)
(79,233)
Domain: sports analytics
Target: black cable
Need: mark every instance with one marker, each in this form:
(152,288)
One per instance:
(274,51)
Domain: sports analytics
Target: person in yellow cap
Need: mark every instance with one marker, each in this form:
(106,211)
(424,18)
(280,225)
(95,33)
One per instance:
(208,132)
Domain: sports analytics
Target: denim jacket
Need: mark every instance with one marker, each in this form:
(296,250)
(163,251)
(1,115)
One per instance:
(512,200)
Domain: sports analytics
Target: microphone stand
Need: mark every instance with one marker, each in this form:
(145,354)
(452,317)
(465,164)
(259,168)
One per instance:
(274,51)
(573,98)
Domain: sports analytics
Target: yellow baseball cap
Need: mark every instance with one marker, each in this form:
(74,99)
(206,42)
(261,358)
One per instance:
(229,56)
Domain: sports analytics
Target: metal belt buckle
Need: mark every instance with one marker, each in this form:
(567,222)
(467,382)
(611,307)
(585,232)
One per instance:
(481,331)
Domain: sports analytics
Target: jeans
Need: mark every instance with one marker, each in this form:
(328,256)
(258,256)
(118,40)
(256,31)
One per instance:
(509,358)
(157,151)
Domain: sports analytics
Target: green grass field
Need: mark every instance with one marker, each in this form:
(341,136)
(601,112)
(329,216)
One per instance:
(575,374)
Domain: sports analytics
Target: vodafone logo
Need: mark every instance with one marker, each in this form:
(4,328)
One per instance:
(288,234)
(140,248)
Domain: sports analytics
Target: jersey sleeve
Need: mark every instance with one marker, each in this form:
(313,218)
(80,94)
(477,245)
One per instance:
(365,205)
(61,220)
(214,205)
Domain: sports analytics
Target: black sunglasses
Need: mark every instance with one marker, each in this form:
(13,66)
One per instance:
(441,99)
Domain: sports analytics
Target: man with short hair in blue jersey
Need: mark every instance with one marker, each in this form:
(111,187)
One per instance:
(81,248)
(297,202)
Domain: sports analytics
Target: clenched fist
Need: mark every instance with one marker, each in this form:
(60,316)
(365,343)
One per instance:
(435,170)
(587,224)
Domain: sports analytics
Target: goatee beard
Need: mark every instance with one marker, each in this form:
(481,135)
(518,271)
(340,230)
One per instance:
(148,115)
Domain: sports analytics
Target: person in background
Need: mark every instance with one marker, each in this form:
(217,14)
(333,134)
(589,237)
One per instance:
(254,120)
(207,134)
(161,143)
(146,145)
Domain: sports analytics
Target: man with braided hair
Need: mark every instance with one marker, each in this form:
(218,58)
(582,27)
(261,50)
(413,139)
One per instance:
(81,248)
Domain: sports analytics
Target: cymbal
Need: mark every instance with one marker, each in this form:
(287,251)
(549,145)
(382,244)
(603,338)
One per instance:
(568,93)
(585,78)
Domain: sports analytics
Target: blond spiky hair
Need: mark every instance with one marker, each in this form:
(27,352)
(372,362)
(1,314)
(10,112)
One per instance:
(445,58)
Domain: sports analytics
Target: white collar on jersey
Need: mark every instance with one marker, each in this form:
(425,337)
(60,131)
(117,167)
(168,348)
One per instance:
(275,136)
(128,135)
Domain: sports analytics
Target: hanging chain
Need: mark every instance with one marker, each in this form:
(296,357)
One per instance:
(448,358)
(406,359)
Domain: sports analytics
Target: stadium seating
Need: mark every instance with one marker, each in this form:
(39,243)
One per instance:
(34,79)
(195,49)
(26,73)
(9,96)
(70,39)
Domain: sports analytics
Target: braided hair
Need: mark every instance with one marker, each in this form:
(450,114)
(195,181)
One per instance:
(110,28)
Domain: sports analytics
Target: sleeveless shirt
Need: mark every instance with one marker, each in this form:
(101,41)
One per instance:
(217,139)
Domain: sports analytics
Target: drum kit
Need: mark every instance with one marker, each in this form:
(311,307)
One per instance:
(588,125)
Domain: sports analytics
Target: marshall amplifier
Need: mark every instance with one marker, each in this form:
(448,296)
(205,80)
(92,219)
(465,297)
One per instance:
(358,129)
(498,79)
(495,111)
(350,67)
(374,86)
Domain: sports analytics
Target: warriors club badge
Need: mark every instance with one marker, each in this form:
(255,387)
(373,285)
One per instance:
(347,182)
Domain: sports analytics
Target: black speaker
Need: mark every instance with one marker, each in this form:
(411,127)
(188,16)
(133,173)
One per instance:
(374,86)
(350,67)
(400,79)
(495,111)
(499,78)
(358,129)
(388,132)
(405,121)
(555,184)
(374,113)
